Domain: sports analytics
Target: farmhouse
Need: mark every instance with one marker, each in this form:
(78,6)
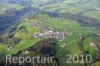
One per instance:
(98,35)
(64,45)
(93,45)
(98,10)
(8,48)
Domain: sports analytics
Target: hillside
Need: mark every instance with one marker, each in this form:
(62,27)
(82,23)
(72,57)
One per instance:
(65,29)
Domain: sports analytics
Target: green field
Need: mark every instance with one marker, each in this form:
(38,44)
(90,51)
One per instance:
(4,7)
(73,28)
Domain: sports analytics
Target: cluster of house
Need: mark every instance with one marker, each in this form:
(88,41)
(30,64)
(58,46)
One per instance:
(50,34)
(39,25)
(35,24)
(47,32)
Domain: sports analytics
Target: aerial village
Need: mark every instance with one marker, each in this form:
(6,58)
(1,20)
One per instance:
(47,32)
